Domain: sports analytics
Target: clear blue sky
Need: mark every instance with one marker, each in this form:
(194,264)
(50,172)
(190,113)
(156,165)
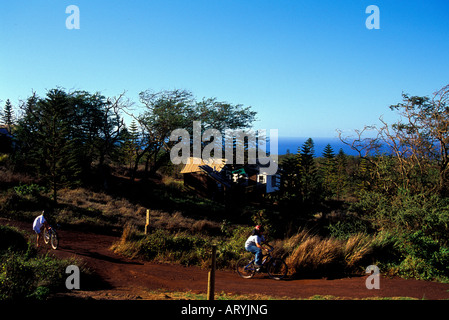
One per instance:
(307,67)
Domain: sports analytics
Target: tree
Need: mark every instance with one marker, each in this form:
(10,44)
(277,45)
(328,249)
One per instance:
(328,170)
(96,127)
(62,137)
(129,144)
(310,183)
(8,116)
(27,156)
(111,125)
(420,140)
(58,148)
(289,174)
(166,111)
(418,144)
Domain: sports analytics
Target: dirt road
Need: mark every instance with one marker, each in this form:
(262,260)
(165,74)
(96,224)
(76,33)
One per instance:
(126,279)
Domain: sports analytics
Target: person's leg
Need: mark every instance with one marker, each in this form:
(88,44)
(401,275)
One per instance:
(38,235)
(258,261)
(258,254)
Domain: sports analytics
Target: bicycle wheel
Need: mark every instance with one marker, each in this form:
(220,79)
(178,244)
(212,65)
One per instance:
(54,240)
(245,268)
(46,236)
(277,269)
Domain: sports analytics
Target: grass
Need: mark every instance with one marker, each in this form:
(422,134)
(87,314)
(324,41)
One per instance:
(162,294)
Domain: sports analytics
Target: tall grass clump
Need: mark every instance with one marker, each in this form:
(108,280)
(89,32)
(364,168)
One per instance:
(316,257)
(357,249)
(311,255)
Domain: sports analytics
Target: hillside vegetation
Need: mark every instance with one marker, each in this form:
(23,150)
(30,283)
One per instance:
(334,214)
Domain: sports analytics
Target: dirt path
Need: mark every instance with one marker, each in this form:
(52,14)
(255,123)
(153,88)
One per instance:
(133,279)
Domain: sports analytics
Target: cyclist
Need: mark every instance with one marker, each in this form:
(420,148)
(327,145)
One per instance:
(39,224)
(255,243)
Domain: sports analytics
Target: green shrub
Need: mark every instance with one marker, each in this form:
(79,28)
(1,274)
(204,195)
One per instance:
(428,258)
(30,189)
(182,247)
(428,213)
(348,227)
(17,279)
(23,273)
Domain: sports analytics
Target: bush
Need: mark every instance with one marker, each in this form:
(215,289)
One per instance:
(17,279)
(31,189)
(351,225)
(428,213)
(182,247)
(424,258)
(162,245)
(23,273)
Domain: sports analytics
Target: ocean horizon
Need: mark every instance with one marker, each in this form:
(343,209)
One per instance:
(291,145)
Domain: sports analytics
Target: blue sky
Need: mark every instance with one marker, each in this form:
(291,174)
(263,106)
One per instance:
(307,67)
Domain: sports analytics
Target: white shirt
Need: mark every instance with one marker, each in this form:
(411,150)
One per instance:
(38,222)
(253,240)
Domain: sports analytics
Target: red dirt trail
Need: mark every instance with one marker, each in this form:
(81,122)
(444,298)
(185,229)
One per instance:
(127,279)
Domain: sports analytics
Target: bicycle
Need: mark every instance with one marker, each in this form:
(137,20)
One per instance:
(275,267)
(50,236)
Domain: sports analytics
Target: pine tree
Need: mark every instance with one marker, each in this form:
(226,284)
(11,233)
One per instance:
(328,152)
(8,116)
(28,159)
(289,174)
(310,184)
(128,146)
(59,152)
(328,170)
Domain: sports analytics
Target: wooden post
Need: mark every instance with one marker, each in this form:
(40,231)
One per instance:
(211,277)
(147,221)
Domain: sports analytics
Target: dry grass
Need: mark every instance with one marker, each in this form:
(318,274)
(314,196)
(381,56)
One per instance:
(82,206)
(8,178)
(127,244)
(313,255)
(357,248)
(85,206)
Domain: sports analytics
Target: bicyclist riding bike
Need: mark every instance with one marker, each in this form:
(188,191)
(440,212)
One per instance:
(255,244)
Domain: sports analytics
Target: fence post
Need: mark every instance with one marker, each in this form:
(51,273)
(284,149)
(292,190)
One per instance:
(147,221)
(211,277)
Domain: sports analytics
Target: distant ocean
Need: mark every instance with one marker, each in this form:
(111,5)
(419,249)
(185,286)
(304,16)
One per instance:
(291,144)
